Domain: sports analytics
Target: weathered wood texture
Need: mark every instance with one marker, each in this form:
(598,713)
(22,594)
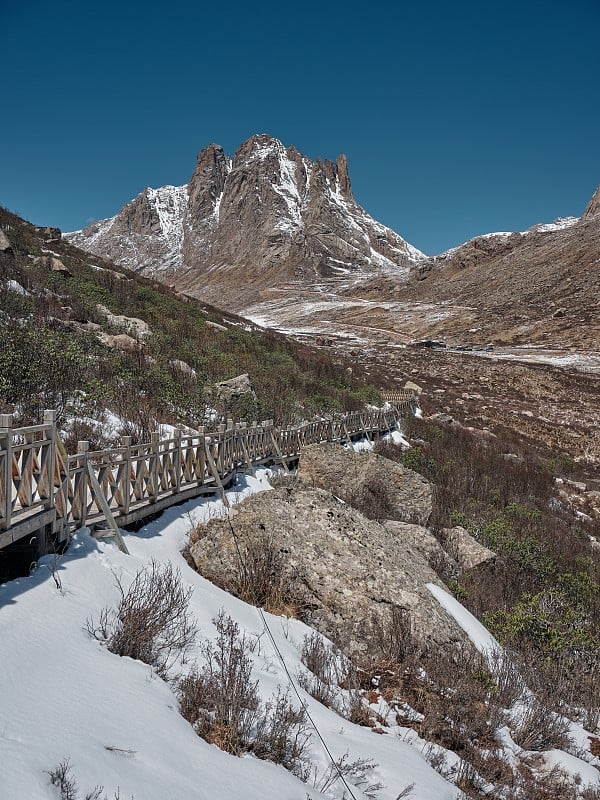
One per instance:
(39,483)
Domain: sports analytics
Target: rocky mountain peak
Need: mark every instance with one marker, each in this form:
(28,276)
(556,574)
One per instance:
(593,207)
(259,146)
(341,166)
(242,226)
(208,180)
(139,216)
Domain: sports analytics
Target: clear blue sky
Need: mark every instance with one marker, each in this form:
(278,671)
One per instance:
(457,118)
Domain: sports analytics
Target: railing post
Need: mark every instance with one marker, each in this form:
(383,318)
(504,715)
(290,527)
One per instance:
(126,443)
(82,453)
(177,461)
(50,420)
(6,443)
(154,442)
(221,449)
(201,450)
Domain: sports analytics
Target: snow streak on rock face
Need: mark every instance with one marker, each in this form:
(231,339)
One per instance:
(266,217)
(146,235)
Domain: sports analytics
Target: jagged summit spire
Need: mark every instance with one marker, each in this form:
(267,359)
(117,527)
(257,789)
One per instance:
(593,207)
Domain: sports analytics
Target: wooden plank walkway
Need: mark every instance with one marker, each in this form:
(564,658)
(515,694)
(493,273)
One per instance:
(46,493)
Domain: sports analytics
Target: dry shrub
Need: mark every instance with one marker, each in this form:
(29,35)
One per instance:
(81,430)
(330,672)
(62,777)
(281,735)
(151,622)
(355,772)
(539,728)
(530,784)
(325,661)
(507,677)
(391,635)
(387,449)
(374,499)
(221,702)
(567,683)
(260,576)
(263,578)
(455,693)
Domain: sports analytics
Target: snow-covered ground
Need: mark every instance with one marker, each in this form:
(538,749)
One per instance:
(64,696)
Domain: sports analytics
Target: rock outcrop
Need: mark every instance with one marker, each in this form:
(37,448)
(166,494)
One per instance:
(381,488)
(5,245)
(347,569)
(49,233)
(422,541)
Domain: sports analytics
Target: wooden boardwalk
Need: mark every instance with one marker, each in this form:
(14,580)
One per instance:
(45,494)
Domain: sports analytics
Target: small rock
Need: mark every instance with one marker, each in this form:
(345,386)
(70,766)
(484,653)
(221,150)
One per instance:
(5,245)
(52,263)
(215,325)
(181,366)
(466,550)
(234,388)
(120,342)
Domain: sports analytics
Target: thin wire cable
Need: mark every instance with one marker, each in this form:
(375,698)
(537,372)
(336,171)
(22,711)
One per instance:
(292,683)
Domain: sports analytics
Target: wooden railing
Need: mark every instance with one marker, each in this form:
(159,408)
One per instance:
(41,486)
(399,397)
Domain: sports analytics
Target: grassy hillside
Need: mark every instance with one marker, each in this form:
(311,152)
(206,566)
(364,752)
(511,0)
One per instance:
(52,354)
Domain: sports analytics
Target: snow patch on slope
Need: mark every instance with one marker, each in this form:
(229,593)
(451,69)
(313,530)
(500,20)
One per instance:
(288,190)
(477,633)
(170,203)
(559,224)
(66,696)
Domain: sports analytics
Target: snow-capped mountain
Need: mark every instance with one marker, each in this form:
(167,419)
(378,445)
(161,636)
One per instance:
(264,218)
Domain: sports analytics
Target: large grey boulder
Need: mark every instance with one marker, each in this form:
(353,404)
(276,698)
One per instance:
(51,263)
(346,568)
(379,487)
